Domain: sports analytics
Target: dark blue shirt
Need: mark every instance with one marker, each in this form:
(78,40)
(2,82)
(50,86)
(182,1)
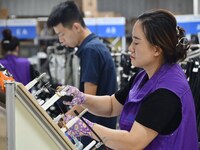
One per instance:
(97,66)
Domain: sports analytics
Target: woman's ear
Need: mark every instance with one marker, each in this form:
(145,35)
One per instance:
(158,51)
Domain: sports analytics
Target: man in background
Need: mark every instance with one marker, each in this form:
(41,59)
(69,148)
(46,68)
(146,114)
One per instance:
(97,69)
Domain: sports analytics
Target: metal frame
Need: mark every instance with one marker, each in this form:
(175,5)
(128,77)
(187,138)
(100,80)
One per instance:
(17,91)
(10,111)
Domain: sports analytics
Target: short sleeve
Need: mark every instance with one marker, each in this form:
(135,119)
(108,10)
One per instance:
(161,111)
(122,94)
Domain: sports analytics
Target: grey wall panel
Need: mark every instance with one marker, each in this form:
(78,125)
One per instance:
(127,8)
(177,6)
(29,7)
(132,8)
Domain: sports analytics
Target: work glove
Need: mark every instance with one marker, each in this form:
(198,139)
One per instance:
(77,96)
(79,128)
(62,122)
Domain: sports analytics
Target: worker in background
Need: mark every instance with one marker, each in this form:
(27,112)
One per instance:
(97,69)
(19,67)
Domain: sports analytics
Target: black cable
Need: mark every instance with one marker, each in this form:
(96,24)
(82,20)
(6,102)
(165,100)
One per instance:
(90,128)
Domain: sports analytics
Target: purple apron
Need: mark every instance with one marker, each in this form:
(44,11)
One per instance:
(171,78)
(18,67)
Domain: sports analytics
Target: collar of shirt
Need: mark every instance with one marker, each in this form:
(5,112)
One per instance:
(85,41)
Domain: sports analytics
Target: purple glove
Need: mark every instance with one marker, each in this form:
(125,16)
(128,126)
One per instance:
(79,128)
(78,97)
(61,123)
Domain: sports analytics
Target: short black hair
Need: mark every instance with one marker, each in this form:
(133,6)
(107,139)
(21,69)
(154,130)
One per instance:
(65,13)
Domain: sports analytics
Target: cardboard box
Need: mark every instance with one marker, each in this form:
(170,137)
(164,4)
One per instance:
(89,7)
(3,13)
(107,14)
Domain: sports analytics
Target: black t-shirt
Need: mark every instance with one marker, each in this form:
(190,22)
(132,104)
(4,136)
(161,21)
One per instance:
(160,111)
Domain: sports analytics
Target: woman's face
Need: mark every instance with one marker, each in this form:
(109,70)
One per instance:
(143,54)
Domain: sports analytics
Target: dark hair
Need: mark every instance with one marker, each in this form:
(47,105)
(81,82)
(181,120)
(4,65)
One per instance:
(160,28)
(9,42)
(65,13)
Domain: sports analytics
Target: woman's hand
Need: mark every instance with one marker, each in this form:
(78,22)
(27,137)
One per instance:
(77,96)
(79,128)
